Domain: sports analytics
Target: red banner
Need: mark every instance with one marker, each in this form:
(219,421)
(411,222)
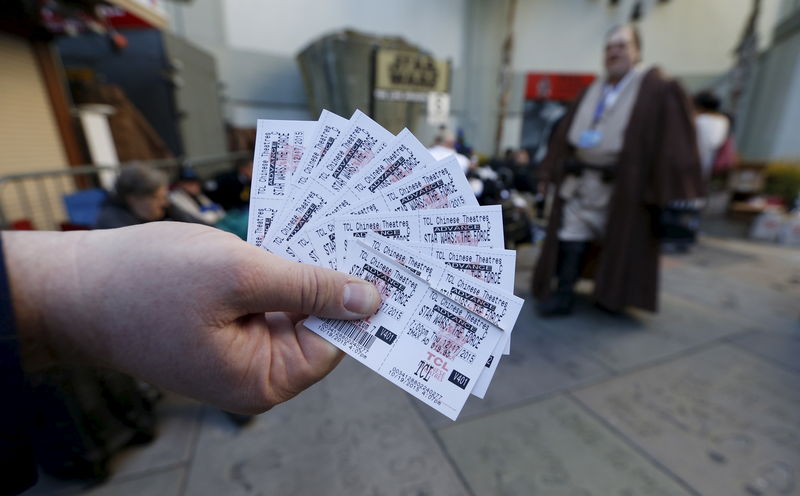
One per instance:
(556,86)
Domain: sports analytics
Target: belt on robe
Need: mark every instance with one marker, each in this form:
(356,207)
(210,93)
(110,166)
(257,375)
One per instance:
(574,167)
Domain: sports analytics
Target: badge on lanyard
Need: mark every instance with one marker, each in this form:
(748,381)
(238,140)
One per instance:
(590,138)
(593,136)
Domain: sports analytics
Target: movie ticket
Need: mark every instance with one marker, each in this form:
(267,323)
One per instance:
(442,185)
(420,340)
(329,127)
(355,147)
(403,156)
(477,296)
(490,302)
(476,226)
(494,267)
(279,149)
(347,194)
(260,217)
(491,266)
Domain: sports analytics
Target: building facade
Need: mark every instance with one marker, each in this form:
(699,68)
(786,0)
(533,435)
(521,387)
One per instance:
(256,42)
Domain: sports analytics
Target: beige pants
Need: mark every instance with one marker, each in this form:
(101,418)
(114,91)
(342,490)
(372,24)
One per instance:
(586,201)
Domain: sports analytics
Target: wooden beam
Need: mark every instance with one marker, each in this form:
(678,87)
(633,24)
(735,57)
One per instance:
(505,75)
(59,102)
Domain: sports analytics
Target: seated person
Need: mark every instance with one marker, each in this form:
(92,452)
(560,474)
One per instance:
(140,195)
(232,189)
(188,195)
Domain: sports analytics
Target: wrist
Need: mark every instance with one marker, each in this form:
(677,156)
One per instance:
(42,279)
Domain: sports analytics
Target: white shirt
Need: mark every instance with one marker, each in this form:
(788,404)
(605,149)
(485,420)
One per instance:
(439,152)
(712,129)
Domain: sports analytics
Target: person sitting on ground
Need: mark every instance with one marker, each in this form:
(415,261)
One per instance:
(188,195)
(140,195)
(232,189)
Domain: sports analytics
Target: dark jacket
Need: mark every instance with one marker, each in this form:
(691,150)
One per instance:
(114,213)
(17,461)
(231,190)
(659,163)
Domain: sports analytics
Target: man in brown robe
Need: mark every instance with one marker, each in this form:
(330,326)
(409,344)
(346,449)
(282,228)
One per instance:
(624,150)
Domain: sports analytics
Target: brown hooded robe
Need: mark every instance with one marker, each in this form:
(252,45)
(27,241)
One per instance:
(658,163)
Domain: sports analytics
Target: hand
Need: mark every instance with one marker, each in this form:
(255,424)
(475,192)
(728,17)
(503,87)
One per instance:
(185,307)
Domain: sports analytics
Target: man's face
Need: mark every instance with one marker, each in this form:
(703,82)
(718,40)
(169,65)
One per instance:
(621,53)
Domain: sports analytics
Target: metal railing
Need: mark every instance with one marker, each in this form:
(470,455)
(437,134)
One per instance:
(36,198)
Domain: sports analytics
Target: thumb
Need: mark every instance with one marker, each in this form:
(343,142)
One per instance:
(286,286)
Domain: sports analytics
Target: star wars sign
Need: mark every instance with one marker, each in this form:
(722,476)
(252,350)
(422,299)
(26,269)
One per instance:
(409,76)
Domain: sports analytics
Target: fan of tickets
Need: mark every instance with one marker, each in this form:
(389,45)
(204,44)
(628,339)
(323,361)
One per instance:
(351,196)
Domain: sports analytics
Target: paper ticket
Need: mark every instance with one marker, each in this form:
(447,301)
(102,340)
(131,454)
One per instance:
(489,301)
(494,267)
(356,146)
(260,217)
(328,129)
(439,186)
(403,156)
(476,226)
(361,142)
(491,266)
(420,340)
(279,149)
(347,194)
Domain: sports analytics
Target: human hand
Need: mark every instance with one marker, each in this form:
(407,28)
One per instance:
(183,306)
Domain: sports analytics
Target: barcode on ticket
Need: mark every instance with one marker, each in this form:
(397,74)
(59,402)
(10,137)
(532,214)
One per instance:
(353,336)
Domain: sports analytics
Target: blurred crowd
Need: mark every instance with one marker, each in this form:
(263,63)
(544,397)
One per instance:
(144,194)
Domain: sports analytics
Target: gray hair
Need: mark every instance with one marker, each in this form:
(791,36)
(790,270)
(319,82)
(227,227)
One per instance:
(139,180)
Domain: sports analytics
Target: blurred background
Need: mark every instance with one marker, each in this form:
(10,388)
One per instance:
(701,398)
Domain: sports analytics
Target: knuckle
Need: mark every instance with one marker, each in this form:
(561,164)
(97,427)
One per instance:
(313,292)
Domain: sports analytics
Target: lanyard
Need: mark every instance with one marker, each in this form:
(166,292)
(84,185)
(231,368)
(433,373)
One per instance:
(609,93)
(601,107)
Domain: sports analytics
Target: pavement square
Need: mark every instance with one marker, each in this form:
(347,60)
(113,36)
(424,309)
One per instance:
(540,363)
(551,447)
(153,463)
(167,483)
(723,420)
(762,287)
(353,433)
(178,425)
(635,338)
(780,348)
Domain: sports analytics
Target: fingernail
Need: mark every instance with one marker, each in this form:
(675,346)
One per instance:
(360,297)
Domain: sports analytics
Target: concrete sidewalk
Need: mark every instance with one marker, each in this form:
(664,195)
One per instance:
(702,398)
